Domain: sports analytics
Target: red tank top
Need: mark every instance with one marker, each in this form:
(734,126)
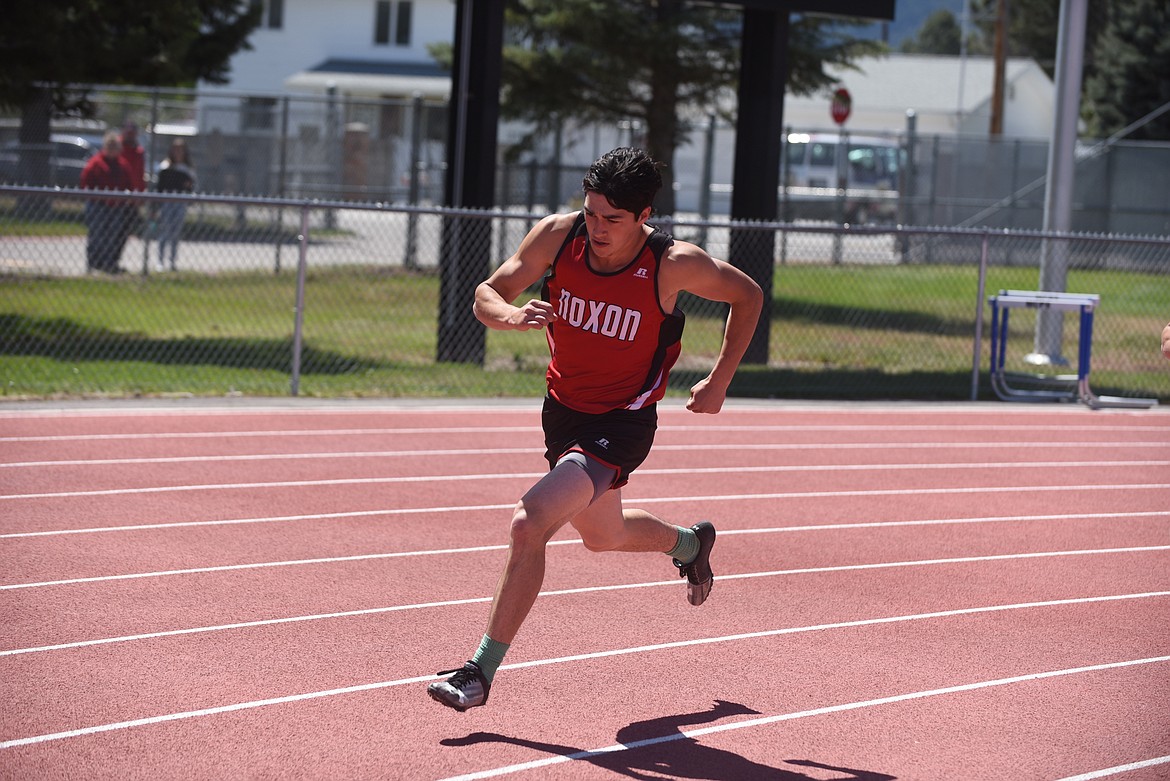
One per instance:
(612,345)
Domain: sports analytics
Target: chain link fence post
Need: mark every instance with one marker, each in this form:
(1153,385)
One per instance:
(977,351)
(299,311)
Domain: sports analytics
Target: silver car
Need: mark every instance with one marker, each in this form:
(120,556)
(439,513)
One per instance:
(67,156)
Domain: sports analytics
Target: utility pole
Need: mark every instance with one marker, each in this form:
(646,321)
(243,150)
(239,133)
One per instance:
(1000,65)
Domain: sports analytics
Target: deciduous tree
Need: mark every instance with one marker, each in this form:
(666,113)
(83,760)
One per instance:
(46,48)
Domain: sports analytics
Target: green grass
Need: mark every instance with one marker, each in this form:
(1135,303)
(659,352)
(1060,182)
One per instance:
(906,331)
(837,332)
(54,217)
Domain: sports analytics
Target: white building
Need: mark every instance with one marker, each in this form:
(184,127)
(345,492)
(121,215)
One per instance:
(369,48)
(883,90)
(366,49)
(949,95)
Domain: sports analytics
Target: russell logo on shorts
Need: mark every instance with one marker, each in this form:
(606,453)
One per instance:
(604,443)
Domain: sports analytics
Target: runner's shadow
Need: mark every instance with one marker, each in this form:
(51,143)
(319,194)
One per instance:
(657,747)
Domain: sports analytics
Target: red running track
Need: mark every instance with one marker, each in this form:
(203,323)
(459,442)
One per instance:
(263,590)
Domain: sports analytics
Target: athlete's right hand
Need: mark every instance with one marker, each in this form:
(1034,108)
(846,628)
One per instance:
(534,314)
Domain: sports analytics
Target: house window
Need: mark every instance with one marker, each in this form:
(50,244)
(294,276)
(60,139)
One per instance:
(382,22)
(259,113)
(382,16)
(402,28)
(272,15)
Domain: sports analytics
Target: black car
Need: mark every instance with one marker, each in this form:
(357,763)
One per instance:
(67,156)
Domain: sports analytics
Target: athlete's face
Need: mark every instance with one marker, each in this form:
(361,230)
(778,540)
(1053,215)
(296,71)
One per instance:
(613,233)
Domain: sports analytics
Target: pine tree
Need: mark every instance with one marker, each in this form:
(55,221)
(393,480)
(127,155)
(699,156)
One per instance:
(939,34)
(1032,27)
(1128,80)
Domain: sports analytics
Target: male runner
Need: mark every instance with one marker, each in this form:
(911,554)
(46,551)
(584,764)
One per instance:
(608,306)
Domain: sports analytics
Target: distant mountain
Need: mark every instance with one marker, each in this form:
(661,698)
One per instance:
(908,18)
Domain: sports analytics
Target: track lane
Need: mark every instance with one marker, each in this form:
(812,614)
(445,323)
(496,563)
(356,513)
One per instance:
(49,481)
(323,495)
(49,560)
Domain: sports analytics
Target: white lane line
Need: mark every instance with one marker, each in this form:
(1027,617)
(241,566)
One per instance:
(949,521)
(488,548)
(408,407)
(1112,771)
(278,433)
(769,469)
(768,720)
(787,446)
(485,507)
(147,721)
(312,409)
(494,451)
(271,519)
(472,428)
(467,601)
(249,625)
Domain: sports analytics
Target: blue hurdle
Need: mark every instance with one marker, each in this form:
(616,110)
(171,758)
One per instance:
(1078,387)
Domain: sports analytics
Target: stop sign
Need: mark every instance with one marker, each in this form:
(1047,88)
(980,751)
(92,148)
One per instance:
(841,105)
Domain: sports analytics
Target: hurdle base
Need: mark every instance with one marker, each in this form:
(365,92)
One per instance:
(1114,402)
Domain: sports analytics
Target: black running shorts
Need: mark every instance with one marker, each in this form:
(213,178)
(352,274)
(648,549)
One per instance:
(620,438)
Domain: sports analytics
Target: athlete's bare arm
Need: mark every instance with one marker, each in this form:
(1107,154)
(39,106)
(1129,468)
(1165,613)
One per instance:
(687,267)
(494,296)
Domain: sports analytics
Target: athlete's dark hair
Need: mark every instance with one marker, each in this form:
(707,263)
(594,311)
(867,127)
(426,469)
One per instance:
(628,178)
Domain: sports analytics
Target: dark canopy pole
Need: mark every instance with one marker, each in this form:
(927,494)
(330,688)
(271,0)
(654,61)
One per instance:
(465,259)
(763,72)
(763,68)
(759,129)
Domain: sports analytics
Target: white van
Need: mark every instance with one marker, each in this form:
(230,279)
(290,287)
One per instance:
(832,176)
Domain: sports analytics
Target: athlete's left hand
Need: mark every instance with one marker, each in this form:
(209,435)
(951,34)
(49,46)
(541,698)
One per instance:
(706,397)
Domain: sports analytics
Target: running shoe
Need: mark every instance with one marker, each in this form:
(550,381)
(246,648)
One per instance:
(466,688)
(698,572)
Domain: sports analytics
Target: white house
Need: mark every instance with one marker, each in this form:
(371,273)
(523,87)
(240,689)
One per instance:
(367,49)
(364,47)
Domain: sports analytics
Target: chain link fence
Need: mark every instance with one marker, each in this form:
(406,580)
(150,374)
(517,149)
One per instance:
(393,150)
(270,297)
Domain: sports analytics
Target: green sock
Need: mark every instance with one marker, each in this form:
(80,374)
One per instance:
(687,547)
(489,656)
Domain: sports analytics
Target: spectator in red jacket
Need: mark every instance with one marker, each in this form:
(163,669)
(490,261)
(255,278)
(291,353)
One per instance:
(107,219)
(133,157)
